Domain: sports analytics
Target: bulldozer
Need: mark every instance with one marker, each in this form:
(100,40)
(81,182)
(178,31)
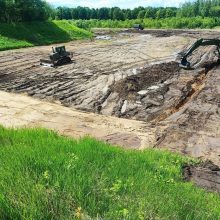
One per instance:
(184,63)
(58,57)
(138,27)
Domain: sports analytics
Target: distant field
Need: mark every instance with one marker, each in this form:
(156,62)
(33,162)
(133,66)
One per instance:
(20,35)
(46,176)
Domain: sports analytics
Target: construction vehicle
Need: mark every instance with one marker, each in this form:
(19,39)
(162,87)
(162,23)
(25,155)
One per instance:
(201,42)
(138,27)
(59,56)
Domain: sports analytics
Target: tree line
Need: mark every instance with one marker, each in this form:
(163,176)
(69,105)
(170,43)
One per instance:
(40,10)
(25,10)
(114,13)
(203,8)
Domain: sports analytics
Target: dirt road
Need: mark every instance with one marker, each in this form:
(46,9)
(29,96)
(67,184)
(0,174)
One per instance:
(132,76)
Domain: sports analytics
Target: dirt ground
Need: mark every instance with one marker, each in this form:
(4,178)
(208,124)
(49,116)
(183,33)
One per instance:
(128,90)
(18,110)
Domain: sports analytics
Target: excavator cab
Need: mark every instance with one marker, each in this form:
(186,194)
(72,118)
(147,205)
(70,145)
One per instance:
(184,63)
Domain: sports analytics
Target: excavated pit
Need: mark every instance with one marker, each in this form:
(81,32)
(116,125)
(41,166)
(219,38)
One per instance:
(132,76)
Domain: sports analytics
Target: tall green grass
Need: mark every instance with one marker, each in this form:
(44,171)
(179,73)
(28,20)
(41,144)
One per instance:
(166,23)
(19,35)
(46,176)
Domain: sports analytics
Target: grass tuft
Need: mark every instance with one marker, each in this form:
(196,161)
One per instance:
(47,176)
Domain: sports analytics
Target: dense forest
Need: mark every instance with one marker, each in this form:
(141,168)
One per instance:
(40,10)
(25,10)
(204,8)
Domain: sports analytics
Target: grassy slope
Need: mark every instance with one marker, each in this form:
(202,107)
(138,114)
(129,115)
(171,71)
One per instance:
(38,33)
(45,176)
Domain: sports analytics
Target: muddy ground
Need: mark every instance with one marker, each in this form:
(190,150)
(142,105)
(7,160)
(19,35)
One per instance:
(206,175)
(134,75)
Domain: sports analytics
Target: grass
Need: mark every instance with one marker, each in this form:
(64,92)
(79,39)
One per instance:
(46,176)
(20,35)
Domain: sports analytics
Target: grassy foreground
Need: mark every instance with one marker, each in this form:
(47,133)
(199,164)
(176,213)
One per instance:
(46,176)
(19,35)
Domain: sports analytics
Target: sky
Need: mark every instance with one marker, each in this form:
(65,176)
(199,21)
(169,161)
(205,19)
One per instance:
(118,3)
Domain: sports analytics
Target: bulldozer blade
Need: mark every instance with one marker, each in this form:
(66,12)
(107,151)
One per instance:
(46,63)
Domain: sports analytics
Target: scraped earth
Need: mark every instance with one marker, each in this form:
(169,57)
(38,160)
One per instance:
(131,75)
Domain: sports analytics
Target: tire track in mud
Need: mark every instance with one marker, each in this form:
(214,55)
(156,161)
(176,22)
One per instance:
(88,82)
(88,87)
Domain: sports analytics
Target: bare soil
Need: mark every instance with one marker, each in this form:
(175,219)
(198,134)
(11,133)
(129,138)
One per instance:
(135,76)
(206,175)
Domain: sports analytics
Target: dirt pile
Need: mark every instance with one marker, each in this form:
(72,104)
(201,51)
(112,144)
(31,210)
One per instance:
(206,175)
(141,96)
(129,87)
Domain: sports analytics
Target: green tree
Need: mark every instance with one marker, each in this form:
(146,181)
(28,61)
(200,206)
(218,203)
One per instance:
(170,13)
(118,14)
(82,12)
(74,13)
(103,13)
(128,14)
(94,14)
(150,12)
(161,13)
(215,11)
(141,14)
(2,10)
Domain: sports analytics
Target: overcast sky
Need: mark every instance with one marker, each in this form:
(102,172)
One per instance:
(119,3)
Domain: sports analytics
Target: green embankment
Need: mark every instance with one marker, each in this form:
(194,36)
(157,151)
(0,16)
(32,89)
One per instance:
(20,35)
(46,176)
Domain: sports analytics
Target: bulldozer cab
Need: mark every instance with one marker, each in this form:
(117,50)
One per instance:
(138,27)
(60,50)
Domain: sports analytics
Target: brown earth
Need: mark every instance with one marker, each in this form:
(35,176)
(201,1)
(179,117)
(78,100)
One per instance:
(206,175)
(18,110)
(135,75)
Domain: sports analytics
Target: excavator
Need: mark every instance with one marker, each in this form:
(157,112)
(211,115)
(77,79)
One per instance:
(201,42)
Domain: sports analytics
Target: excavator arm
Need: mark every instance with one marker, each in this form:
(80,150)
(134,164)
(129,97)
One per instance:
(198,43)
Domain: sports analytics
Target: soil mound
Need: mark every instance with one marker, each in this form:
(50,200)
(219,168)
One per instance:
(206,175)
(129,87)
